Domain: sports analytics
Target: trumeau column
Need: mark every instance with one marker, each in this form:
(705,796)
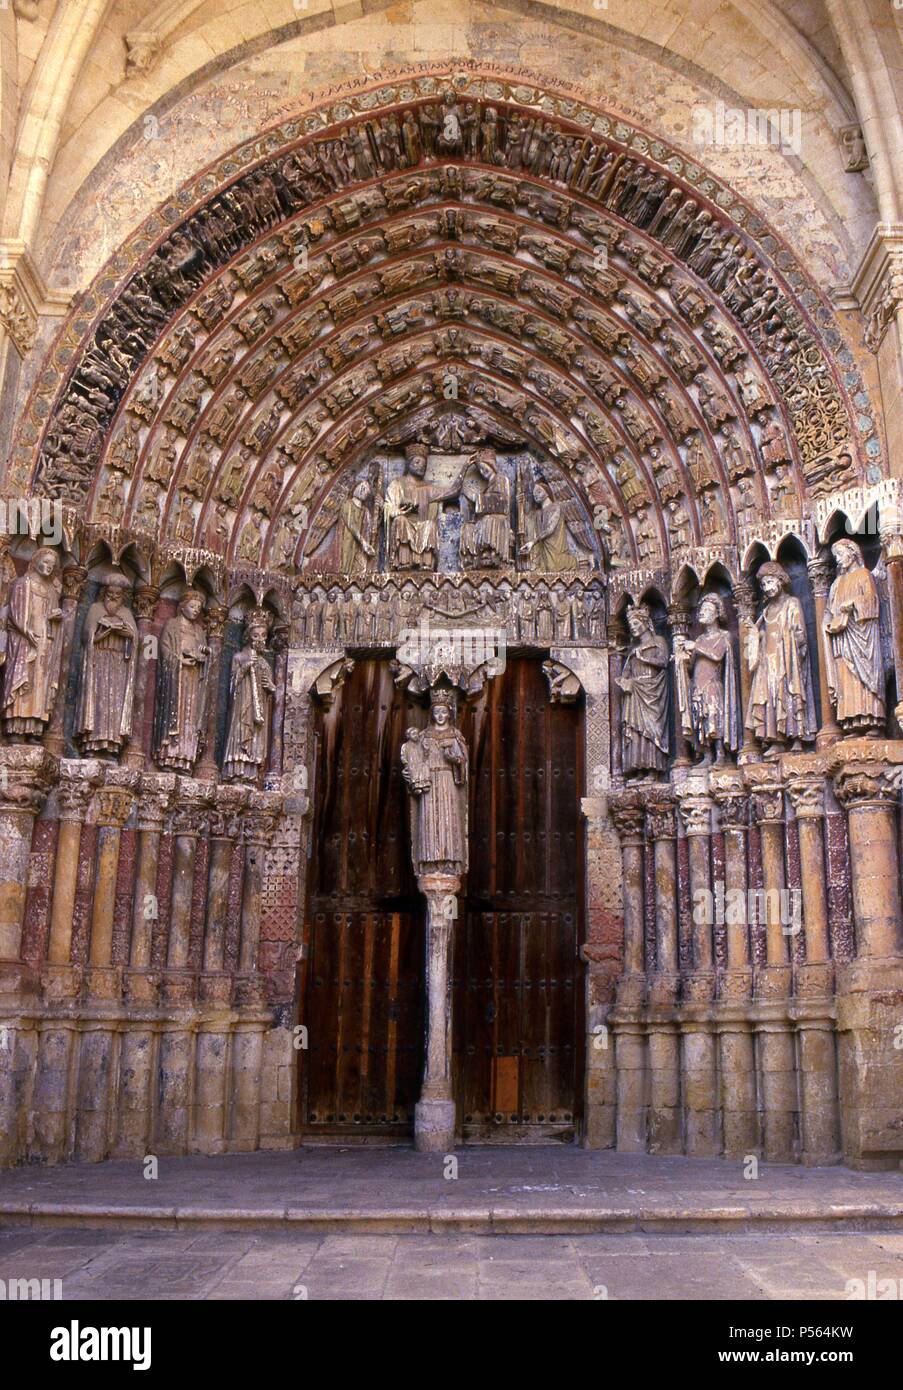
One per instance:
(813,1009)
(773,981)
(736,1042)
(664,986)
(74,577)
(703,1129)
(628,815)
(820,578)
(867,780)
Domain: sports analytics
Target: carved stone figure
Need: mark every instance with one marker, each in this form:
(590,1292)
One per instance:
(412,511)
(486,541)
(182,686)
(853,647)
(781,709)
(644,704)
(357,531)
(251,688)
(107,689)
(546,547)
(434,766)
(707,695)
(33,647)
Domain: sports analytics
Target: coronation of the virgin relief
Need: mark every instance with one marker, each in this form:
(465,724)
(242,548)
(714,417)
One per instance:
(452,595)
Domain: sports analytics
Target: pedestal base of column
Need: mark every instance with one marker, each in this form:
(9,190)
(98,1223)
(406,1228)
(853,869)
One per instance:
(434,1126)
(633,1088)
(740,1117)
(103,982)
(178,987)
(779,1094)
(664,1091)
(60,983)
(50,1122)
(142,986)
(870,1062)
(215,988)
(17,978)
(703,1116)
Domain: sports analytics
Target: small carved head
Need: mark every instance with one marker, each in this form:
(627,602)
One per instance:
(639,619)
(711,609)
(192,604)
(773,579)
(44,561)
(847,554)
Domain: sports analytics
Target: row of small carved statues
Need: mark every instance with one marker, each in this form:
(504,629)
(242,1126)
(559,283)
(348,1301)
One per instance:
(780,711)
(327,617)
(107,669)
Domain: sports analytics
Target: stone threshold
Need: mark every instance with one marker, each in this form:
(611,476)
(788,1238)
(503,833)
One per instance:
(689,1219)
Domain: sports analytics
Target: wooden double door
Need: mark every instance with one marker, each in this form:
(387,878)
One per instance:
(517,979)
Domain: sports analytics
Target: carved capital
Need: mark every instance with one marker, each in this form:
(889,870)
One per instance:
(628,815)
(215,616)
(731,799)
(155,800)
(661,820)
(878,282)
(112,806)
(264,810)
(820,574)
(766,793)
(190,802)
(807,797)
(146,598)
(745,599)
(78,780)
(26,776)
(74,577)
(696,814)
(867,784)
(225,817)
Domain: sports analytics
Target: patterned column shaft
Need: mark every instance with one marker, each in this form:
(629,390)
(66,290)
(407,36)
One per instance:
(870,793)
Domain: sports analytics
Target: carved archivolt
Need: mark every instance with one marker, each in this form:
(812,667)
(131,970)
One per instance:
(534,278)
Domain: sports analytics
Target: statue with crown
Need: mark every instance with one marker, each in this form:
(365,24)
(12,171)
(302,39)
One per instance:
(434,766)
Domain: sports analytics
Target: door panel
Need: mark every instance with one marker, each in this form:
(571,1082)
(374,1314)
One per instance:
(517,986)
(364,1000)
(517,997)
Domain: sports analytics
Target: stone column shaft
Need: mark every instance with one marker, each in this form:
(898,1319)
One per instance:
(74,793)
(434,1114)
(703,1127)
(27,774)
(113,805)
(146,600)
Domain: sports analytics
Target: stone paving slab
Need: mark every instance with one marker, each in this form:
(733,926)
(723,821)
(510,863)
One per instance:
(292,1266)
(553,1190)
